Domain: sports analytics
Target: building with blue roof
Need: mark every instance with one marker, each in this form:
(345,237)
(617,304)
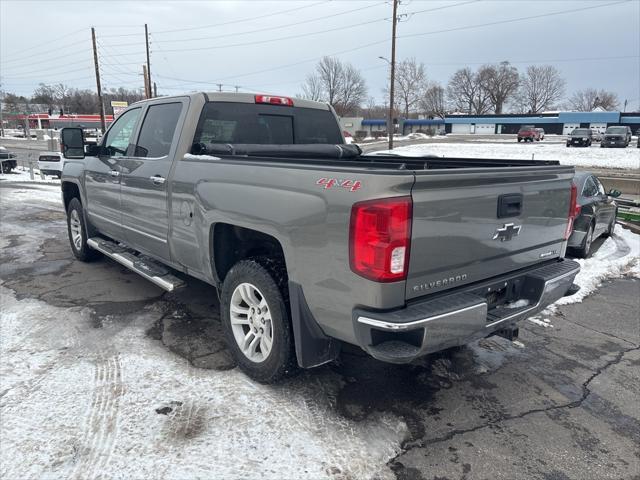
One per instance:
(560,123)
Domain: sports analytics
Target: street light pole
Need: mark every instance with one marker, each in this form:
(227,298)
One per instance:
(394,22)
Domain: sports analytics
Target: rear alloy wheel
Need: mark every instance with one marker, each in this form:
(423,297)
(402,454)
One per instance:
(585,249)
(251,322)
(255,317)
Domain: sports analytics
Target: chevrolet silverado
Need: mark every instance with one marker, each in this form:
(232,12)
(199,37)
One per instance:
(309,243)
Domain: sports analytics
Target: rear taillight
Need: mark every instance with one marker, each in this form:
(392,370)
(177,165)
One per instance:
(379,238)
(574,211)
(285,101)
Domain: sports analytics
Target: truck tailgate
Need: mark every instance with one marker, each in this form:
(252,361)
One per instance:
(473,224)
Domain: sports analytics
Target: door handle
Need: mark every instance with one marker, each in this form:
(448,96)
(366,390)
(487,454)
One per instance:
(114,173)
(157,179)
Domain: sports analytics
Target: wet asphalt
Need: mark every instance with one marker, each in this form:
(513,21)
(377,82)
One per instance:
(563,404)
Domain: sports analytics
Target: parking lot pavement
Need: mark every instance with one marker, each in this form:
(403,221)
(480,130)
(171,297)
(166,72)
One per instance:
(104,375)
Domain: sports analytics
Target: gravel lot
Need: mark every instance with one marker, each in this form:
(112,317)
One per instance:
(102,375)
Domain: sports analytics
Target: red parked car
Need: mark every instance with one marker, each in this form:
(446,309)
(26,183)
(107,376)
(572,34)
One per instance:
(528,133)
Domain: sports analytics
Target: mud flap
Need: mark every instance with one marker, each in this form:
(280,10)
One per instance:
(313,347)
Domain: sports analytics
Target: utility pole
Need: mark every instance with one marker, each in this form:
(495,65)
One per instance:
(103,125)
(146,37)
(145,76)
(394,22)
(1,118)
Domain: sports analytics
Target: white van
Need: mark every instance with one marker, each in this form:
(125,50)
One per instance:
(50,163)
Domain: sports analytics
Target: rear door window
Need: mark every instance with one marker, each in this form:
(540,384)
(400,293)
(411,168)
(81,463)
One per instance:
(158,129)
(590,189)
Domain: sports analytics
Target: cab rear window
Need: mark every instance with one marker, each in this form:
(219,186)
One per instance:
(239,123)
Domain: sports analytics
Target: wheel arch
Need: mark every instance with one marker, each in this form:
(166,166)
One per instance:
(70,190)
(231,243)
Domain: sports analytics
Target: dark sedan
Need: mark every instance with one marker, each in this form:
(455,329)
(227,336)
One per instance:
(580,137)
(595,213)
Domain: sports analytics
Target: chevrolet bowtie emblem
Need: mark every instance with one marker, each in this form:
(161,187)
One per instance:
(507,232)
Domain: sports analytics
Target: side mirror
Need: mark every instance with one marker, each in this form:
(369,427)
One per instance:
(92,150)
(614,193)
(72,142)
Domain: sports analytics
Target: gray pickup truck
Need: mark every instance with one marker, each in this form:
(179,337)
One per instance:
(311,244)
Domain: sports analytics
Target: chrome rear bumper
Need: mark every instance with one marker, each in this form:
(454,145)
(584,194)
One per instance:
(431,325)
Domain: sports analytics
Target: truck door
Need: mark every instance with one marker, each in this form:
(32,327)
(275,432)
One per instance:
(145,179)
(102,175)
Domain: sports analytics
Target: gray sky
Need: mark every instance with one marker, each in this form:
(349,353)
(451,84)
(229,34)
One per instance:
(271,46)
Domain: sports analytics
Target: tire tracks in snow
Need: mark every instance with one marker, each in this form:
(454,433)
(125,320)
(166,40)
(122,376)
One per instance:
(100,429)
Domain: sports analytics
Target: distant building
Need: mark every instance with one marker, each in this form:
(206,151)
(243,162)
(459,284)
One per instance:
(561,123)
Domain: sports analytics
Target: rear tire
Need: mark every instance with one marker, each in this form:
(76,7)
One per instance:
(77,231)
(612,225)
(585,249)
(256,319)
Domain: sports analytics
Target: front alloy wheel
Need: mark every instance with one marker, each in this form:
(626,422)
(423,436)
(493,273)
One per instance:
(75,229)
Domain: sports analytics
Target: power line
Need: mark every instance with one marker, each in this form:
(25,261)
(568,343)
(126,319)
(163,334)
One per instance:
(288,37)
(49,69)
(45,52)
(513,20)
(22,50)
(259,30)
(242,20)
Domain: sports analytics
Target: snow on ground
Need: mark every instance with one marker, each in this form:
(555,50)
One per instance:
(81,402)
(21,174)
(624,158)
(618,255)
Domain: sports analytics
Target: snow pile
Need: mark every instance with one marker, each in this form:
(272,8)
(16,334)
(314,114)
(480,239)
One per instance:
(21,174)
(32,194)
(544,322)
(624,158)
(619,255)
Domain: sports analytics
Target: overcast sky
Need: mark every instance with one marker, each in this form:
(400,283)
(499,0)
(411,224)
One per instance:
(271,46)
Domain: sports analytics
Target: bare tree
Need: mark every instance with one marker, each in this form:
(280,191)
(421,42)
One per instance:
(500,82)
(410,83)
(312,88)
(353,91)
(374,110)
(331,74)
(467,94)
(74,100)
(433,102)
(45,94)
(339,84)
(541,87)
(590,99)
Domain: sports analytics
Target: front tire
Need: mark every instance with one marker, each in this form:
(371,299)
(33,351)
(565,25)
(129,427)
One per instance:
(256,319)
(77,231)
